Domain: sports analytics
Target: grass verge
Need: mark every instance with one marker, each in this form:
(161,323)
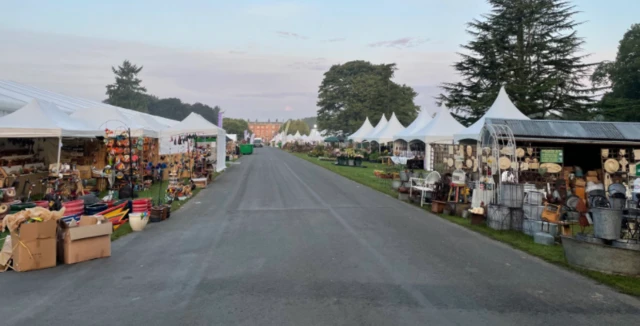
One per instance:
(360,175)
(518,240)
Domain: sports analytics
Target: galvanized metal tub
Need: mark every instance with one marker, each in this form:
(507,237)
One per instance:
(601,258)
(533,212)
(511,195)
(499,217)
(607,223)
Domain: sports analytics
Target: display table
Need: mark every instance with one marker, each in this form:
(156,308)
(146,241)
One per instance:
(33,178)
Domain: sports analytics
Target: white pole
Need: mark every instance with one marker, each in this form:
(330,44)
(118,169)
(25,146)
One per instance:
(427,157)
(59,150)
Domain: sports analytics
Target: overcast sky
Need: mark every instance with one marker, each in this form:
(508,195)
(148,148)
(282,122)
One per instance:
(255,59)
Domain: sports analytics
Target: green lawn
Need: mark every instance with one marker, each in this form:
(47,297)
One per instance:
(364,176)
(517,240)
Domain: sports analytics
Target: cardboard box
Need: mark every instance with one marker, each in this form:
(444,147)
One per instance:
(5,254)
(89,240)
(34,246)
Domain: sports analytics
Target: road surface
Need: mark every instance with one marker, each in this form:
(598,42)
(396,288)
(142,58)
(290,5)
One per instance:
(279,241)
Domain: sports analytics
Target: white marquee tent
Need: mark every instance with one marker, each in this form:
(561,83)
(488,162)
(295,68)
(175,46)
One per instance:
(111,118)
(502,108)
(385,134)
(440,129)
(362,131)
(424,117)
(196,124)
(43,119)
(368,136)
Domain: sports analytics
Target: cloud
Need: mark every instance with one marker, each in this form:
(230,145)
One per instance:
(288,108)
(334,40)
(405,42)
(291,35)
(237,52)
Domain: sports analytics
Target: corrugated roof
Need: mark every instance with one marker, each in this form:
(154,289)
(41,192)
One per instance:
(562,129)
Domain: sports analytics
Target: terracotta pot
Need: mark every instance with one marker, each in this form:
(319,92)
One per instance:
(437,206)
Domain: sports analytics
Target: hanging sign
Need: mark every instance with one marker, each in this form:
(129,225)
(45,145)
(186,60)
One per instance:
(551,156)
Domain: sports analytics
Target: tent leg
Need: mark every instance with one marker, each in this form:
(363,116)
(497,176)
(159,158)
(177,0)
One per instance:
(427,157)
(59,151)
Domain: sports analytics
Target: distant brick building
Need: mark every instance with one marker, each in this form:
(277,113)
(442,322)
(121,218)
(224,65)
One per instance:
(265,130)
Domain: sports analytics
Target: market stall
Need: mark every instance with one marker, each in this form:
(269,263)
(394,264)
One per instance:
(440,130)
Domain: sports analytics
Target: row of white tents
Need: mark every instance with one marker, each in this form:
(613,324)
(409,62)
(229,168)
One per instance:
(441,128)
(41,116)
(314,137)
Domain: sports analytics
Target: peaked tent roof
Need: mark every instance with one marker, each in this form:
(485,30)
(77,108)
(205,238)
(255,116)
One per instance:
(424,117)
(364,129)
(194,124)
(441,128)
(112,118)
(315,135)
(368,136)
(502,108)
(39,118)
(392,127)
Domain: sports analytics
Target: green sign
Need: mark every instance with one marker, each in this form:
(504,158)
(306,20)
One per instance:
(206,139)
(551,156)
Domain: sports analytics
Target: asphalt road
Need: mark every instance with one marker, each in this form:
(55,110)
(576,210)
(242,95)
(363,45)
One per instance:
(279,241)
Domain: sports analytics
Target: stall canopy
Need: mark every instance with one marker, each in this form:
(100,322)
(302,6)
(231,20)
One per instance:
(315,136)
(39,118)
(502,108)
(362,131)
(440,129)
(385,134)
(424,117)
(196,124)
(369,136)
(111,118)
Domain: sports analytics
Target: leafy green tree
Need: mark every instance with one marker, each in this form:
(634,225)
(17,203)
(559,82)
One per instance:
(127,91)
(622,78)
(207,112)
(235,126)
(354,90)
(531,47)
(170,108)
(310,121)
(296,126)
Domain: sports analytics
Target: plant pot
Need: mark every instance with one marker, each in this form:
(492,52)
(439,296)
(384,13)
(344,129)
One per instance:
(404,176)
(358,161)
(477,219)
(395,184)
(137,222)
(437,206)
(351,162)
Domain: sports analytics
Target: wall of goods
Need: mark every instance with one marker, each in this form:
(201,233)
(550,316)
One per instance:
(448,158)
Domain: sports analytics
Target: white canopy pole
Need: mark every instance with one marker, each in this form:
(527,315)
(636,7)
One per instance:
(59,150)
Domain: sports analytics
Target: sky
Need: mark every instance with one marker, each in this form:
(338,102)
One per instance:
(255,59)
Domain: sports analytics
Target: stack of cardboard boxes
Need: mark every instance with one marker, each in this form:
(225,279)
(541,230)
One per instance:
(40,245)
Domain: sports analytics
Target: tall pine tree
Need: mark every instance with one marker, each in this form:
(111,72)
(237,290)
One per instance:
(531,47)
(127,91)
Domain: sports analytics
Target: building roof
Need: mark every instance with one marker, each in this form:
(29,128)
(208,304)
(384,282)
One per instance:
(580,130)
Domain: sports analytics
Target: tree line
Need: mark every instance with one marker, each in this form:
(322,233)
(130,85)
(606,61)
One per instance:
(529,46)
(127,92)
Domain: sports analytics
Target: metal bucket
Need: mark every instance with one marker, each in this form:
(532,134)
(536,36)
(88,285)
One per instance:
(617,203)
(499,217)
(511,195)
(532,212)
(607,223)
(533,198)
(517,219)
